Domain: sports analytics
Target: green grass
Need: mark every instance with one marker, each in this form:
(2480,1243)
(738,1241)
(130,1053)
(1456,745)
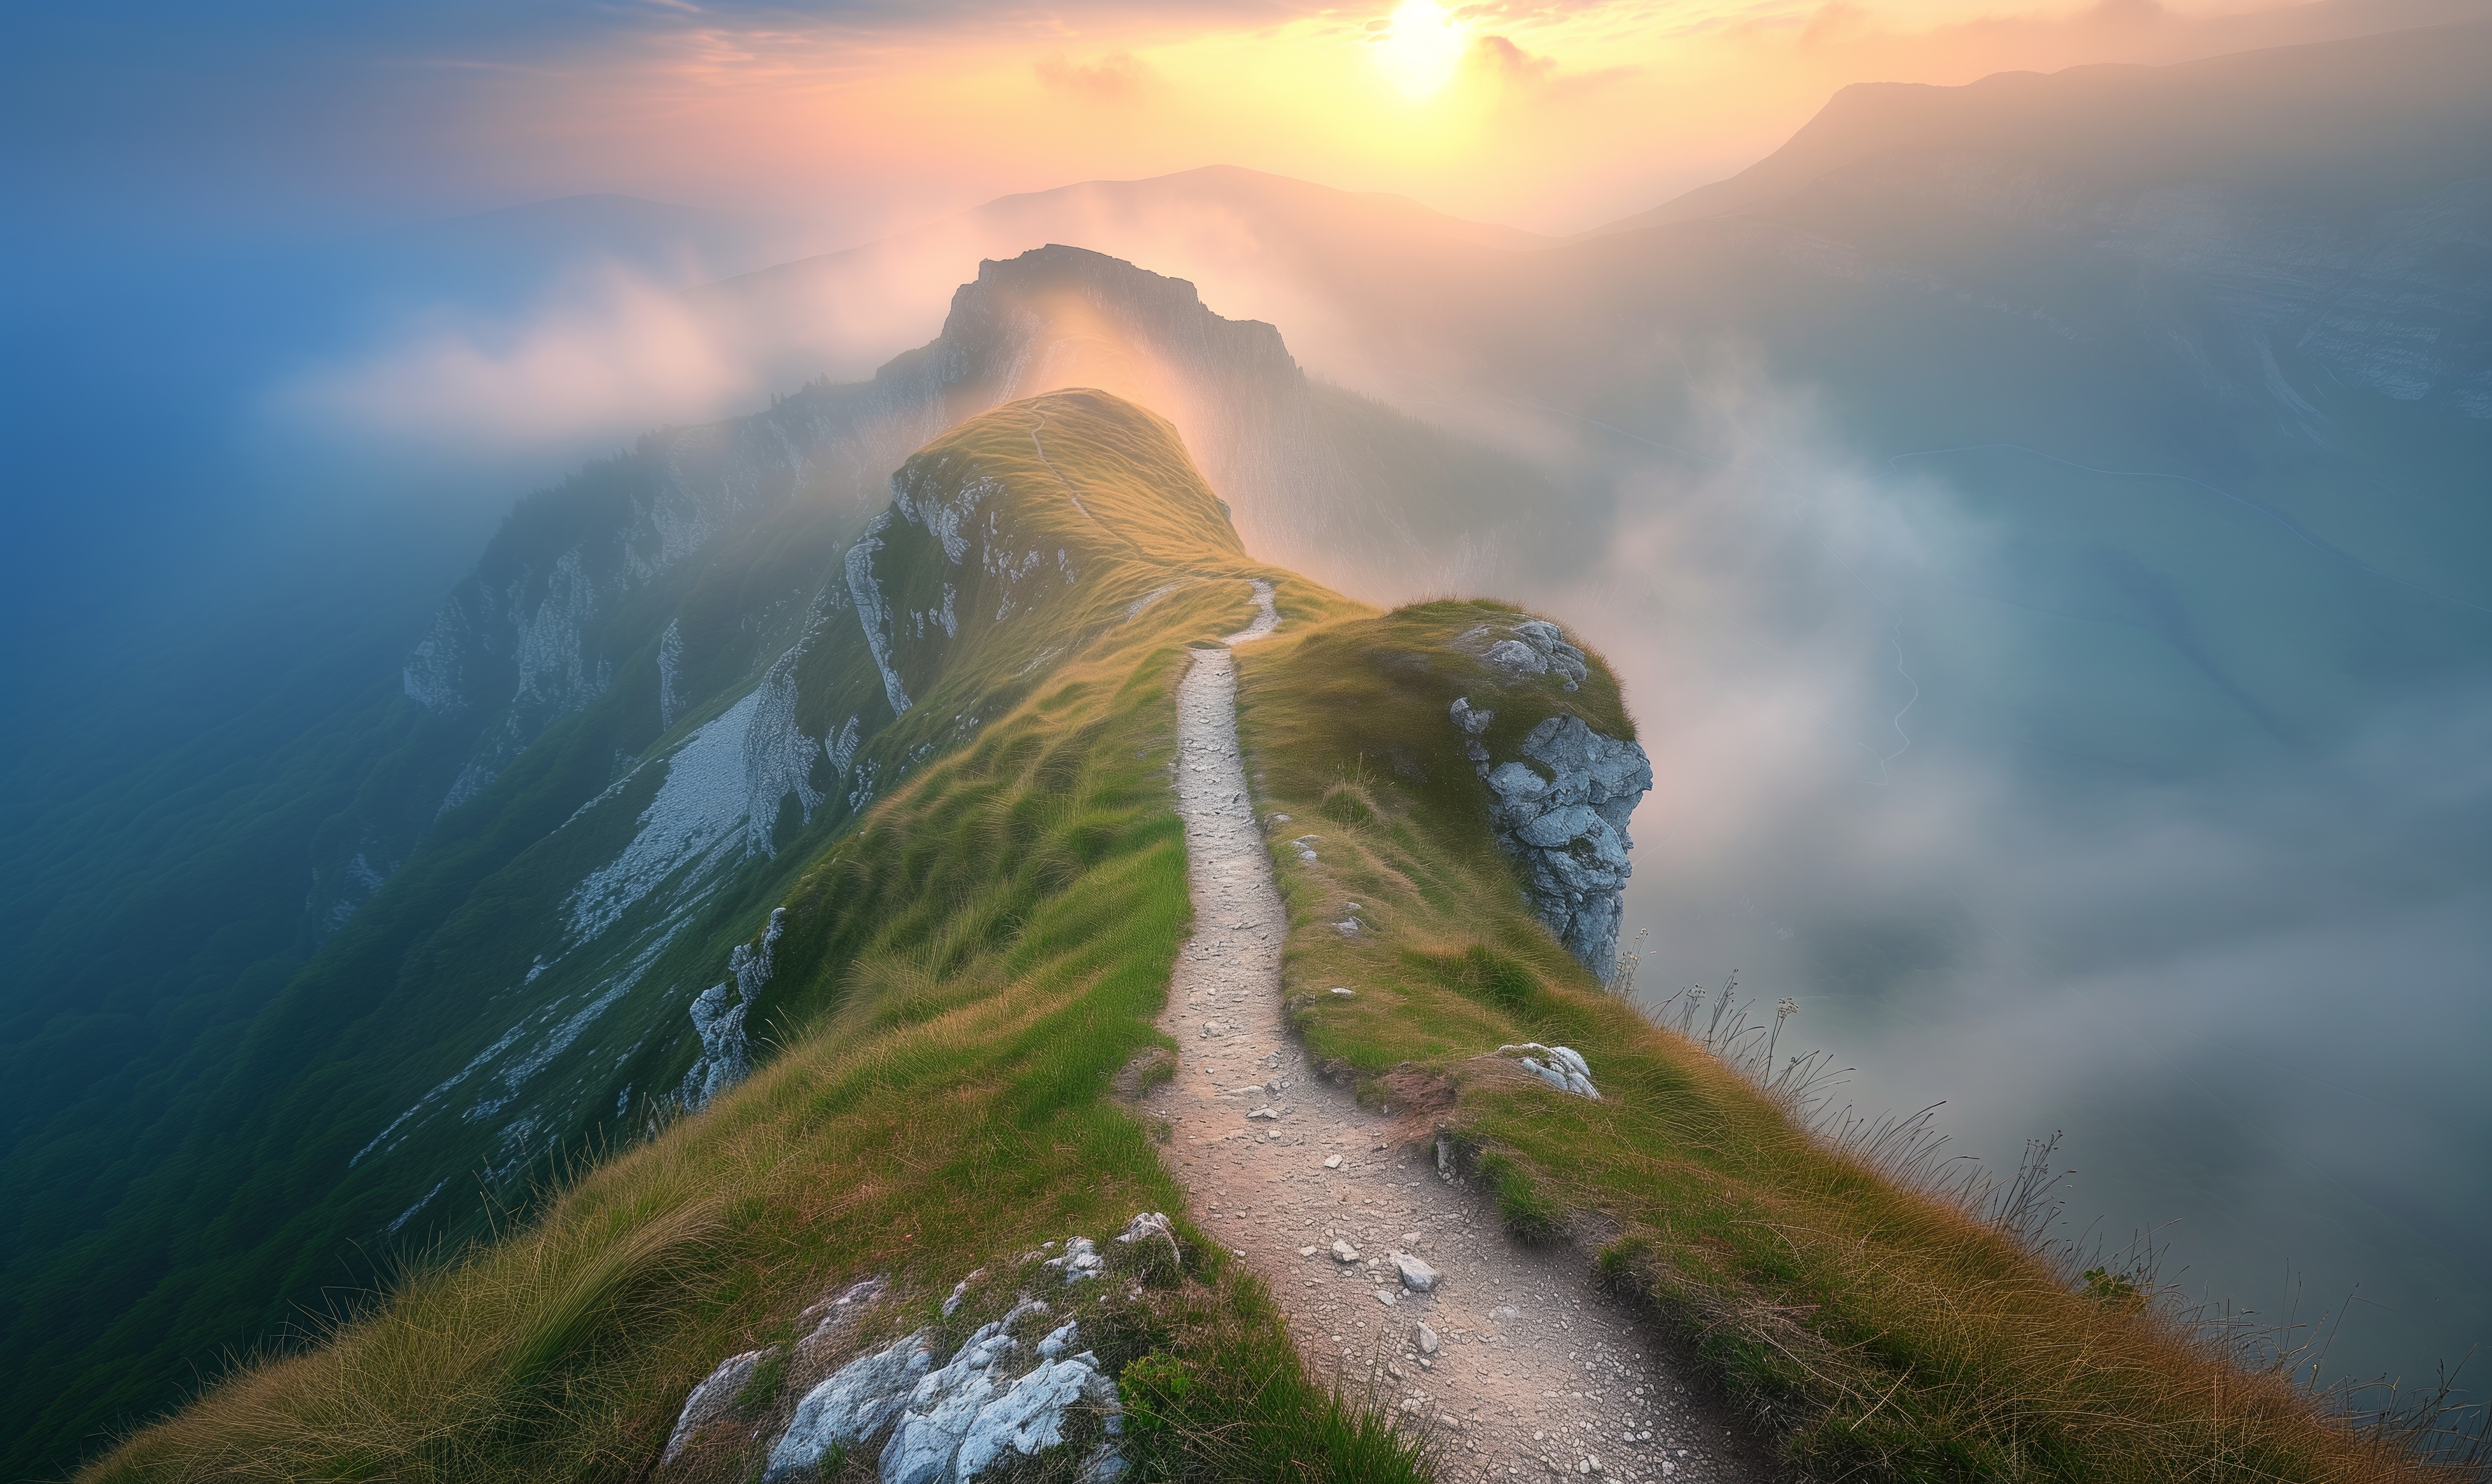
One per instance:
(1875,1330)
(199,1197)
(961,982)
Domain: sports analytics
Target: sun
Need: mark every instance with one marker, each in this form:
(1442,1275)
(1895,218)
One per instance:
(1421,50)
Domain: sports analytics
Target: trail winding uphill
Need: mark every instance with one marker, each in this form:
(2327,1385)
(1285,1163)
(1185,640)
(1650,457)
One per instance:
(1513,1362)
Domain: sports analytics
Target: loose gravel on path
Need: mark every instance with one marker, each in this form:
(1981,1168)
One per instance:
(1516,1366)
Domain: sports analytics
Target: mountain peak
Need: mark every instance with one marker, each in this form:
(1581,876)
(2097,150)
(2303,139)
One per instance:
(1058,317)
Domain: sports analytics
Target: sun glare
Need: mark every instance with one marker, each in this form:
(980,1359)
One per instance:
(1421,50)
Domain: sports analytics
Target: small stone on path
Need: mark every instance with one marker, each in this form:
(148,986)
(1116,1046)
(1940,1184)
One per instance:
(1416,1275)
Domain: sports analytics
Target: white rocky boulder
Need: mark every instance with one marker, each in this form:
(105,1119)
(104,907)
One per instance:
(1028,1417)
(966,1417)
(1528,649)
(945,1402)
(711,1400)
(1001,1396)
(1146,1225)
(1078,1260)
(852,1404)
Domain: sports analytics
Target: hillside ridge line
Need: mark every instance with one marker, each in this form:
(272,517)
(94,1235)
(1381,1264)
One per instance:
(1526,1369)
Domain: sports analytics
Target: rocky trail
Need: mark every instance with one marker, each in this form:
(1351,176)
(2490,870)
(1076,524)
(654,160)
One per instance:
(1508,1359)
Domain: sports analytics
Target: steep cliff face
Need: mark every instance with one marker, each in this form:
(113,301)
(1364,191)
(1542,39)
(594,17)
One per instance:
(573,587)
(528,639)
(599,945)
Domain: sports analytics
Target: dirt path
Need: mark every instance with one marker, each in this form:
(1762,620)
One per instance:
(1534,1372)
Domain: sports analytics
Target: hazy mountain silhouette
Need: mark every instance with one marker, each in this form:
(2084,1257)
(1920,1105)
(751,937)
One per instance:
(2373,119)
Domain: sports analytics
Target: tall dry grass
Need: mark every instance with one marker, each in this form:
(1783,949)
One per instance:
(466,1363)
(957,984)
(1884,1309)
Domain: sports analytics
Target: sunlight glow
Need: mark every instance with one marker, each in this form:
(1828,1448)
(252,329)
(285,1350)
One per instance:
(1422,48)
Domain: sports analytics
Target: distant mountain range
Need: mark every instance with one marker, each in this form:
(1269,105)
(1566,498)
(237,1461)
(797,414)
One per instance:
(2265,274)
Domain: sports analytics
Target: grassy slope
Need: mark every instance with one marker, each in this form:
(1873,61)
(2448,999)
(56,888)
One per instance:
(1882,1334)
(210,1206)
(957,983)
(962,978)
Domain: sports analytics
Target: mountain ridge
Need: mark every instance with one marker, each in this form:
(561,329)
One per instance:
(965,991)
(631,607)
(2319,101)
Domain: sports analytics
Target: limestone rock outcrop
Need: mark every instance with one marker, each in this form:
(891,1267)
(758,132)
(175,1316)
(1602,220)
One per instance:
(1537,647)
(1561,807)
(727,1053)
(1017,1387)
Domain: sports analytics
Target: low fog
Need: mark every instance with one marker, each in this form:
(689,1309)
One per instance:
(2246,980)
(246,445)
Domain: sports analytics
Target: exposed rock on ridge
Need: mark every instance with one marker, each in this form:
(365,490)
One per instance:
(953,602)
(1561,808)
(560,606)
(1013,1388)
(539,627)
(727,1055)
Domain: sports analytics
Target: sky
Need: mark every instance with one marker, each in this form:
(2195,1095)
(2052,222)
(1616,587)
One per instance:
(215,248)
(860,118)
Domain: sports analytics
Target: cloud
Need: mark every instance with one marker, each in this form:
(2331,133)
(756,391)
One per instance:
(602,356)
(1835,22)
(1499,57)
(2246,984)
(2115,14)
(1119,78)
